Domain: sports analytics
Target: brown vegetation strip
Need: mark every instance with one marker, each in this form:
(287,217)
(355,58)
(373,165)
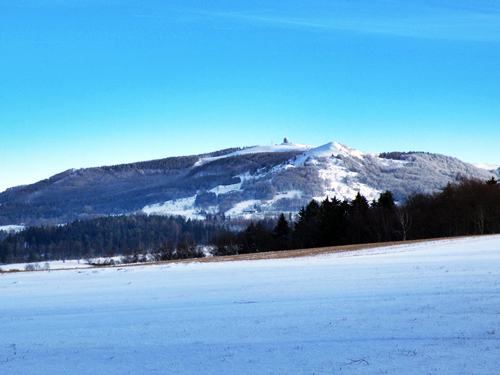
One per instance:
(308,252)
(283,254)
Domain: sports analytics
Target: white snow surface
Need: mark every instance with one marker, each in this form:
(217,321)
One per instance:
(224,189)
(177,207)
(283,147)
(334,174)
(240,209)
(428,308)
(53,265)
(254,208)
(12,228)
(487,166)
(328,150)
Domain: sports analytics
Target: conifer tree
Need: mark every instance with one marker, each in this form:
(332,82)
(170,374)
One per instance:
(281,234)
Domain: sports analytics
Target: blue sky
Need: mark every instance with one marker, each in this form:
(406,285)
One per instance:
(86,83)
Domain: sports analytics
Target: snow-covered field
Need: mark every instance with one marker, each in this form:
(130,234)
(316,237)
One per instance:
(52,265)
(431,308)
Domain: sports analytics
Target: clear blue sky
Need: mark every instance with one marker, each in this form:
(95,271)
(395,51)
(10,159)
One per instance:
(86,82)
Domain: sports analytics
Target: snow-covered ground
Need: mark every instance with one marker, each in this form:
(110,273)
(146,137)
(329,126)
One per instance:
(63,264)
(52,265)
(11,228)
(430,308)
(177,207)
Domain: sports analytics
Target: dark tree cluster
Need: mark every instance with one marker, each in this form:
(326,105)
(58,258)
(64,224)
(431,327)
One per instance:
(164,237)
(469,208)
(466,208)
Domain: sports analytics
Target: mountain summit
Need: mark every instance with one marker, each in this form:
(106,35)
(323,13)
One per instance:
(247,182)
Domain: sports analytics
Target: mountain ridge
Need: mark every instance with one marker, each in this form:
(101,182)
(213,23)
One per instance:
(239,182)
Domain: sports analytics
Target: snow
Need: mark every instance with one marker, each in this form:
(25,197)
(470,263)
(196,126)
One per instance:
(53,265)
(292,194)
(487,166)
(338,185)
(12,228)
(330,170)
(58,264)
(328,150)
(429,308)
(338,180)
(283,147)
(244,209)
(256,208)
(224,189)
(177,207)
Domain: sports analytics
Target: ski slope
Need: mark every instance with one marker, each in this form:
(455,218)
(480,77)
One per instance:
(429,308)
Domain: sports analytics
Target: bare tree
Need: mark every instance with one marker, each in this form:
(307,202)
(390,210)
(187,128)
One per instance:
(404,220)
(479,220)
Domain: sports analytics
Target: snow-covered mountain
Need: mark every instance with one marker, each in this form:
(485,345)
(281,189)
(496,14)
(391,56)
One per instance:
(239,182)
(495,168)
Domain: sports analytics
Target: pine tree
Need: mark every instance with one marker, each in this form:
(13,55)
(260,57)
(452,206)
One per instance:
(492,181)
(386,212)
(358,214)
(307,229)
(281,234)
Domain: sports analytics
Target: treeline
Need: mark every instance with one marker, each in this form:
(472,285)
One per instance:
(467,208)
(164,237)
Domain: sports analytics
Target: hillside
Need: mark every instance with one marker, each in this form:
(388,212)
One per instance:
(239,182)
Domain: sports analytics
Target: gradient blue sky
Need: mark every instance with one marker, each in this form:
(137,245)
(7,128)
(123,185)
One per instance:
(86,82)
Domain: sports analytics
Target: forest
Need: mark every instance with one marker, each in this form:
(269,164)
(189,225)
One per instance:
(169,237)
(469,207)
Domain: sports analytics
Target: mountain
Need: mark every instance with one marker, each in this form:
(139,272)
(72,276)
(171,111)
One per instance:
(238,182)
(495,168)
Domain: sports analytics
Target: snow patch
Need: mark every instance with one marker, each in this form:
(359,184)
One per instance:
(292,194)
(341,183)
(338,180)
(50,265)
(487,166)
(12,228)
(224,189)
(254,208)
(244,209)
(177,207)
(329,150)
(284,147)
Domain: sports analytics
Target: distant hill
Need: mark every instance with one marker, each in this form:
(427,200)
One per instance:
(252,182)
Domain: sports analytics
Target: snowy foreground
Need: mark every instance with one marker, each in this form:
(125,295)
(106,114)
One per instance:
(431,308)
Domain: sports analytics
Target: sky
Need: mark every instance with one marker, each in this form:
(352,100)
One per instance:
(87,83)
